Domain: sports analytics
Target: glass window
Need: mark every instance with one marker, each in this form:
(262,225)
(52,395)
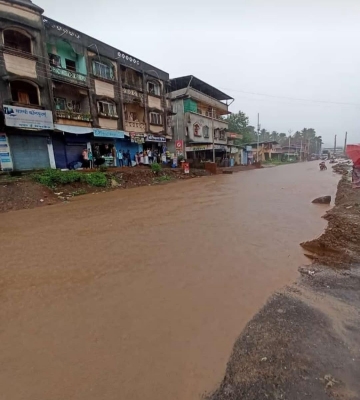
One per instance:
(205,131)
(153,88)
(102,70)
(155,118)
(107,108)
(60,103)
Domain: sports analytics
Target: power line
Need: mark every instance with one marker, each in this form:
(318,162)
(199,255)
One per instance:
(291,98)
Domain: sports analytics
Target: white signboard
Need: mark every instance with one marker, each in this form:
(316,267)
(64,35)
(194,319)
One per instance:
(21,117)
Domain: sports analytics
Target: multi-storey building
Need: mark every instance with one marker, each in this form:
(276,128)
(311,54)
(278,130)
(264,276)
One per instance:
(63,91)
(198,125)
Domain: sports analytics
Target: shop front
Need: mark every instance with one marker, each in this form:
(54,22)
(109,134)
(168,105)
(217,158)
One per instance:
(28,139)
(104,146)
(205,152)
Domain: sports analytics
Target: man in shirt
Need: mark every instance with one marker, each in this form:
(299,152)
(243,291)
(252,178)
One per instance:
(121,158)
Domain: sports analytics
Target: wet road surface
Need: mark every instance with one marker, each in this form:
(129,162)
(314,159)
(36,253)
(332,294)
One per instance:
(140,294)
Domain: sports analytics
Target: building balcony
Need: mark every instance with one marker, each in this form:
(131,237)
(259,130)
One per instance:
(134,126)
(133,96)
(68,76)
(86,117)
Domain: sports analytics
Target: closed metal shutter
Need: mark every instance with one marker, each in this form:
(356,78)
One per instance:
(29,152)
(59,152)
(74,152)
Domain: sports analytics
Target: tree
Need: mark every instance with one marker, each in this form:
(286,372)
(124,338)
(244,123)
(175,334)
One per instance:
(239,123)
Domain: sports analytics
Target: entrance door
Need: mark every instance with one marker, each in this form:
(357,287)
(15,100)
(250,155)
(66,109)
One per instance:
(29,152)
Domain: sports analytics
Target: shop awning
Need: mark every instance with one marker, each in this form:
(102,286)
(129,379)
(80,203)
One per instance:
(107,133)
(78,130)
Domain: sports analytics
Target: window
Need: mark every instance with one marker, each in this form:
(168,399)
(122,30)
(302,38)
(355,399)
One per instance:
(155,118)
(24,93)
(102,70)
(153,88)
(70,65)
(216,133)
(60,103)
(106,108)
(17,40)
(222,135)
(55,60)
(197,130)
(205,131)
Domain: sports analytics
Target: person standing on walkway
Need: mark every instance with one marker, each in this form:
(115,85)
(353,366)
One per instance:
(150,155)
(128,158)
(121,158)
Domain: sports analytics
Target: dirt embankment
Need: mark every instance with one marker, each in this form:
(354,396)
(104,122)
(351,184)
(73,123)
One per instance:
(22,192)
(305,343)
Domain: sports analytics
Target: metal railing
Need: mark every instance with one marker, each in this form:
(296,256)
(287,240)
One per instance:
(73,75)
(74,115)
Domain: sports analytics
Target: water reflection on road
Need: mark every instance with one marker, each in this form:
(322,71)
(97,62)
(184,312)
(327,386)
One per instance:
(140,294)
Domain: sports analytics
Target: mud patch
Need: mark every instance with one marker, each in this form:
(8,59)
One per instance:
(20,194)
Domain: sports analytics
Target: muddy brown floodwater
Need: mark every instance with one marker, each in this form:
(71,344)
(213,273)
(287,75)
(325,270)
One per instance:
(140,294)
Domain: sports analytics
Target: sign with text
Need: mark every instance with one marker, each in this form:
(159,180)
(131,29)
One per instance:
(6,163)
(21,117)
(107,133)
(157,139)
(138,138)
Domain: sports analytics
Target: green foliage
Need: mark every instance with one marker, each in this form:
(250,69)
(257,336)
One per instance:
(95,179)
(163,178)
(53,177)
(156,168)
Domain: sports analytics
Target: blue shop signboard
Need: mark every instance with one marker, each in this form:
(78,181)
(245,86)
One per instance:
(107,133)
(157,139)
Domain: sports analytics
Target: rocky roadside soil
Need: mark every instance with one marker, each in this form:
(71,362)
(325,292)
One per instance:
(305,342)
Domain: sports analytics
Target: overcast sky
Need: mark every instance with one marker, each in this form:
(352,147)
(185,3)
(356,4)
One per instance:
(281,49)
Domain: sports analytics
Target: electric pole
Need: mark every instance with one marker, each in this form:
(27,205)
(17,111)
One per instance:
(290,132)
(335,146)
(345,143)
(258,138)
(213,133)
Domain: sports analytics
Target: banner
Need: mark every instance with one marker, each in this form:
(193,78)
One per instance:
(21,117)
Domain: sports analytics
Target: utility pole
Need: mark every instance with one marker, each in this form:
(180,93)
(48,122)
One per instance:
(301,155)
(345,143)
(290,132)
(213,133)
(258,138)
(335,146)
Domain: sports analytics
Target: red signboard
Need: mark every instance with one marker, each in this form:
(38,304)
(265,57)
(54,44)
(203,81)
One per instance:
(179,144)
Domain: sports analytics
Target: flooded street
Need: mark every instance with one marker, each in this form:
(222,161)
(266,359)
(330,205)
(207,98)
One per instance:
(140,294)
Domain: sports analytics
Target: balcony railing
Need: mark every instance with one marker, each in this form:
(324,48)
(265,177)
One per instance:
(73,115)
(69,75)
(131,125)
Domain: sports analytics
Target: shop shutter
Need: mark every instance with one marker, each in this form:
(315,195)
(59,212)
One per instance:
(29,152)
(59,152)
(74,152)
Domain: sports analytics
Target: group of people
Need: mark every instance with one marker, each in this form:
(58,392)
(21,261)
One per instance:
(124,158)
(146,157)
